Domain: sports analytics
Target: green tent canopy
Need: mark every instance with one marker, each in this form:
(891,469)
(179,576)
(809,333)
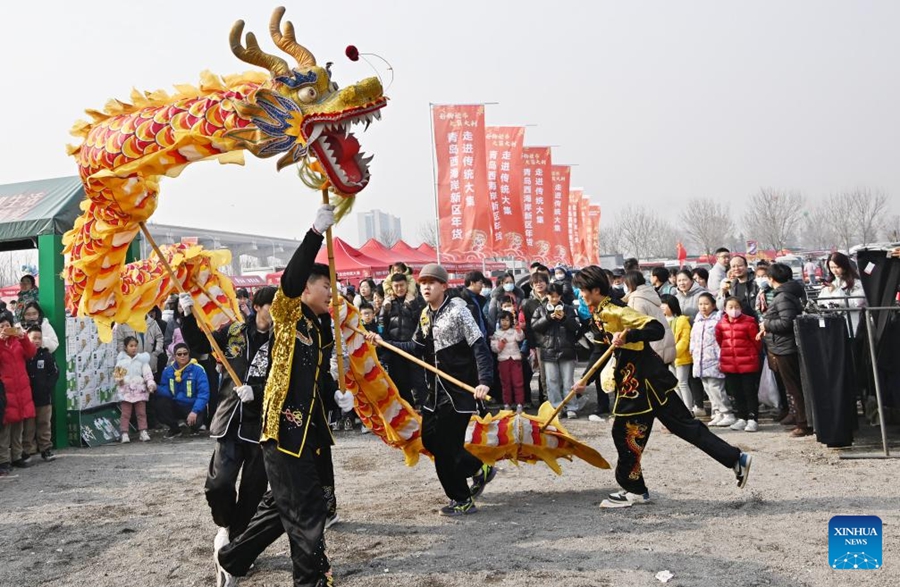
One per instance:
(34,208)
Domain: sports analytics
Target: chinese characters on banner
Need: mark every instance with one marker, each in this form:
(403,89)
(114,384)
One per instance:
(537,202)
(586,229)
(594,213)
(559,243)
(575,228)
(463,200)
(504,174)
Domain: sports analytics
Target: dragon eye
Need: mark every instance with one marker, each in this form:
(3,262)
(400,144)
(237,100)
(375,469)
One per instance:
(307,95)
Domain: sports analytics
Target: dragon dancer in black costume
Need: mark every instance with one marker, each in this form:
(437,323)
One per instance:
(644,391)
(295,439)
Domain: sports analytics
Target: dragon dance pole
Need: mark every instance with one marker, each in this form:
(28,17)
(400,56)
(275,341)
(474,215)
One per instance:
(423,364)
(335,300)
(583,381)
(203,326)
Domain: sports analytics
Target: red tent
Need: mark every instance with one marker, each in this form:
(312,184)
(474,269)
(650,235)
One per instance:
(430,255)
(349,264)
(412,257)
(373,248)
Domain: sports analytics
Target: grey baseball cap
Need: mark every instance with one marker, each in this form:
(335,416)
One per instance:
(434,271)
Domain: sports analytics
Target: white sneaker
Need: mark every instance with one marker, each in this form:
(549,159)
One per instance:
(223,577)
(727,420)
(144,436)
(596,418)
(332,520)
(571,415)
(505,406)
(125,439)
(220,540)
(716,418)
(740,424)
(698,412)
(625,499)
(752,426)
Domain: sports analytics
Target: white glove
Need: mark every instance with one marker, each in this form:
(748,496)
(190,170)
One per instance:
(186,302)
(245,392)
(324,218)
(344,400)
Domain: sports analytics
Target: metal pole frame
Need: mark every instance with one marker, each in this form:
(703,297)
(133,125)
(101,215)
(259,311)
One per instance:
(870,333)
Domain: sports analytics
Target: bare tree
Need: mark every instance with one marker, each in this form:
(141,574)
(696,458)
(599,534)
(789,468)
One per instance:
(610,241)
(835,216)
(707,223)
(892,229)
(867,209)
(388,236)
(643,234)
(428,233)
(819,231)
(773,217)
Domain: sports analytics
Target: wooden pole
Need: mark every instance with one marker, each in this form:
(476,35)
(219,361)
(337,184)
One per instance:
(583,381)
(203,326)
(423,364)
(335,301)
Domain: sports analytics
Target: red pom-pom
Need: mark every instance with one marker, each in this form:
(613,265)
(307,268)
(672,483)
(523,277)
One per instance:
(352,53)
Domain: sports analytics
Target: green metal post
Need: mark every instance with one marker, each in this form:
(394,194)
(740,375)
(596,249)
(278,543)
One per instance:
(52,300)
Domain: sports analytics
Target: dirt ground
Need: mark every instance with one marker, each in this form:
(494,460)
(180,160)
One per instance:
(135,515)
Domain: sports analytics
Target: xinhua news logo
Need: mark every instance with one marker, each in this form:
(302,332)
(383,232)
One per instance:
(854,543)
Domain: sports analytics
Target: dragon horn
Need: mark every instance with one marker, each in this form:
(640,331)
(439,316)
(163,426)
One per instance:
(252,54)
(288,41)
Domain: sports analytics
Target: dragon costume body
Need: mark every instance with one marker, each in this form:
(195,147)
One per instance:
(300,114)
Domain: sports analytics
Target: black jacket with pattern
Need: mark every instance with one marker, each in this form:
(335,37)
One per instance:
(450,339)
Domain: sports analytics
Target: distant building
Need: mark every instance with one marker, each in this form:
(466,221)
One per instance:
(379,225)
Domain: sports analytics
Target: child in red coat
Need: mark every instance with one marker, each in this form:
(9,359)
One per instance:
(740,362)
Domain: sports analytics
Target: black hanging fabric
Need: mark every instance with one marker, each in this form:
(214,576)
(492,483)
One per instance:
(829,381)
(880,276)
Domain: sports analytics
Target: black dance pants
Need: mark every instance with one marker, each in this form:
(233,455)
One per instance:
(444,436)
(631,433)
(233,505)
(295,504)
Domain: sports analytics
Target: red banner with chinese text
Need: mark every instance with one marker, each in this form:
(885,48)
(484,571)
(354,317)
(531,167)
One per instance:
(503,145)
(575,248)
(559,243)
(594,213)
(537,201)
(463,199)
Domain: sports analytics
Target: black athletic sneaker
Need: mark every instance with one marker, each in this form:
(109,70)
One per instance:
(21,463)
(4,469)
(481,479)
(173,433)
(459,508)
(48,455)
(742,469)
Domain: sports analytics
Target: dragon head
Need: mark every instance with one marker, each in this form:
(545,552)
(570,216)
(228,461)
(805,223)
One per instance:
(302,114)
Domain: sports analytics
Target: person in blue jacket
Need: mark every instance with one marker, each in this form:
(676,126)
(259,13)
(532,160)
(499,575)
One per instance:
(182,394)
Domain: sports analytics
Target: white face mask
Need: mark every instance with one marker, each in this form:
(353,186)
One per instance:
(626,289)
(508,287)
(733,313)
(762,282)
(560,277)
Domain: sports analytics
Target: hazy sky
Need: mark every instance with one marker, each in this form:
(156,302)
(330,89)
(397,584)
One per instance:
(655,101)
